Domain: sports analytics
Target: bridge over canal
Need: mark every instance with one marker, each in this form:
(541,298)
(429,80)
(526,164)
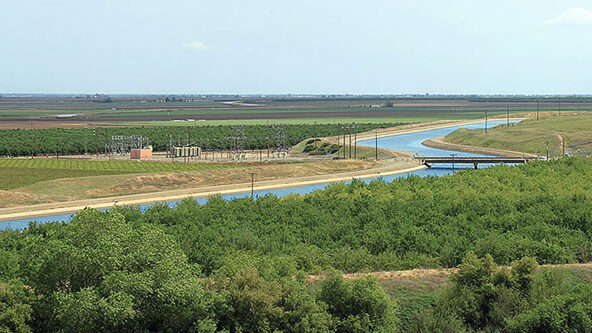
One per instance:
(429,161)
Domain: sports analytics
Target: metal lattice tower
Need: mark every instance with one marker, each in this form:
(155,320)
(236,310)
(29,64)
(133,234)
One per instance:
(238,138)
(122,144)
(279,138)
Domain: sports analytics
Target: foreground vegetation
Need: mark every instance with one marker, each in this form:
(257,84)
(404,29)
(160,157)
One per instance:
(20,172)
(533,136)
(240,266)
(541,210)
(483,297)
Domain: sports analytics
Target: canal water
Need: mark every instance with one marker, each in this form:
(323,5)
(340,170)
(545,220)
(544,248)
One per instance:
(406,142)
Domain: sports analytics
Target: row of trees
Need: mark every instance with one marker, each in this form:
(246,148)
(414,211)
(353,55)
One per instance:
(240,266)
(22,142)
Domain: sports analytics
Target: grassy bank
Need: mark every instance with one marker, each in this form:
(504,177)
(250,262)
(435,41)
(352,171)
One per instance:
(533,136)
(18,172)
(330,147)
(74,185)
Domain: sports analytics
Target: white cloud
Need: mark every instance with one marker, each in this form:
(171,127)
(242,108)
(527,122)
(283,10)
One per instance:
(574,16)
(197,46)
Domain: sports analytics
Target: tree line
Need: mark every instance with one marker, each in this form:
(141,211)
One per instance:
(40,142)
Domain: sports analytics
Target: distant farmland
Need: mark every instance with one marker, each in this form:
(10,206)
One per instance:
(19,112)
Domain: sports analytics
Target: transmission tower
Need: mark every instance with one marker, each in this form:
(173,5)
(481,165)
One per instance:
(122,144)
(281,150)
(237,145)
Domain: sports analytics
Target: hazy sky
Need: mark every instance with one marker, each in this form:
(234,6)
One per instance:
(317,46)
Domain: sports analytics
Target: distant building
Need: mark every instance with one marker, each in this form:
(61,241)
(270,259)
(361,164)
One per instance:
(141,154)
(71,115)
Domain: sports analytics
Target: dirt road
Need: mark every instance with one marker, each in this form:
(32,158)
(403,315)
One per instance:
(423,273)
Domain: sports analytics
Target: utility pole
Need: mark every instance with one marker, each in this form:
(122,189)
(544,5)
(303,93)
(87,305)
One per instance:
(214,145)
(350,142)
(252,184)
(32,141)
(563,145)
(187,144)
(376,144)
(355,145)
(547,150)
(485,120)
(173,150)
(559,106)
(344,142)
(85,141)
(315,134)
(537,115)
(507,115)
(453,156)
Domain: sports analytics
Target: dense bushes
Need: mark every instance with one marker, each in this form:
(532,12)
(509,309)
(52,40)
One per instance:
(316,147)
(486,298)
(101,273)
(541,210)
(358,306)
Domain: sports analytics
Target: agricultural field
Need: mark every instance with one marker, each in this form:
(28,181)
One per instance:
(19,172)
(533,136)
(91,187)
(265,122)
(298,119)
(142,110)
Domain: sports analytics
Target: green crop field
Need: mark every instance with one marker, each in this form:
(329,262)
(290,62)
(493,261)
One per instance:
(18,172)
(533,136)
(252,122)
(401,119)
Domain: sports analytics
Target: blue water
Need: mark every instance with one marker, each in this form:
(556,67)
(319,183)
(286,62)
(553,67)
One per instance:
(406,142)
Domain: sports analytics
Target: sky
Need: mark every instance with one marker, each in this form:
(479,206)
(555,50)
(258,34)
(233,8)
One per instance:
(296,46)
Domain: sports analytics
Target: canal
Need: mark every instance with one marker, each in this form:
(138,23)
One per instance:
(406,142)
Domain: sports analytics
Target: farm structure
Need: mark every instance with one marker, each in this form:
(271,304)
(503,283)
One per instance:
(141,154)
(187,151)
